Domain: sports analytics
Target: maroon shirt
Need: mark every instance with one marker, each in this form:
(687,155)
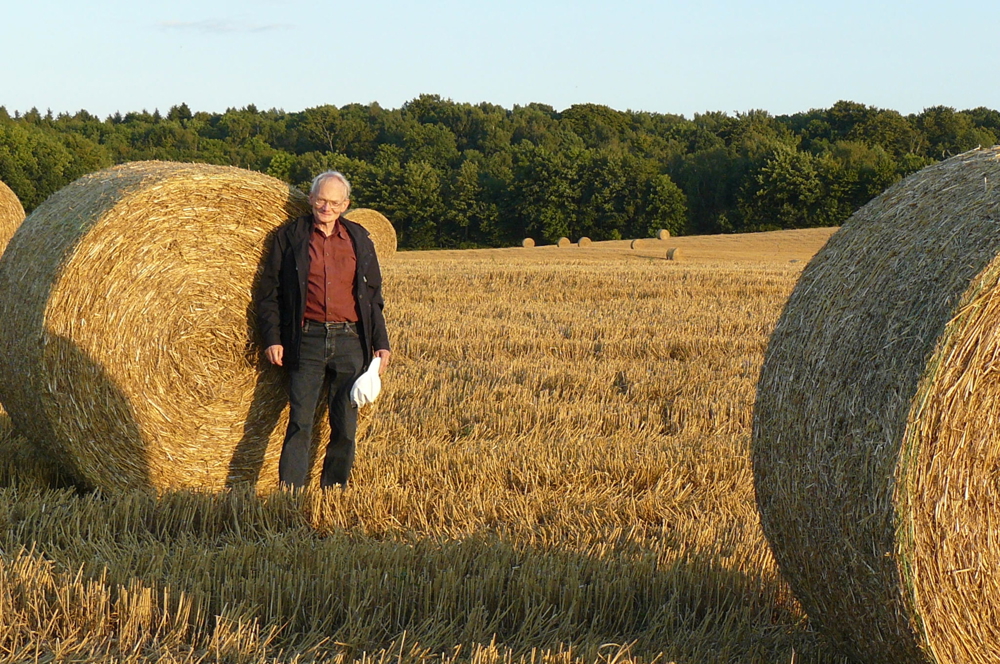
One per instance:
(332,265)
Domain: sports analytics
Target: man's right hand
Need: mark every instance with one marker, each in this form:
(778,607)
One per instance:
(275,354)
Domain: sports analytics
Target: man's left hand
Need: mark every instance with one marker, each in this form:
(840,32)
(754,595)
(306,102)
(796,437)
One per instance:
(383,356)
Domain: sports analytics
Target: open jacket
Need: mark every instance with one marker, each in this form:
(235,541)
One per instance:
(280,299)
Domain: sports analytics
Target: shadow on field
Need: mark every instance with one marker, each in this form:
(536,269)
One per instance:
(243,559)
(25,465)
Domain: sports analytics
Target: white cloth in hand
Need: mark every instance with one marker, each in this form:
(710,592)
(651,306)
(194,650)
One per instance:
(368,385)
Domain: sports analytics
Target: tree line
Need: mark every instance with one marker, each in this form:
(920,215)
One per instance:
(464,175)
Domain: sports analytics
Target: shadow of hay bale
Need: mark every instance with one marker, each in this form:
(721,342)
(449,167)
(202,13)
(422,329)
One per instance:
(24,465)
(250,554)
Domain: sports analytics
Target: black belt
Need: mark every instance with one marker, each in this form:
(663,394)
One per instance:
(331,325)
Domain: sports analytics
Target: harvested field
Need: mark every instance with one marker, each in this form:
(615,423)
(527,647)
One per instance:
(559,471)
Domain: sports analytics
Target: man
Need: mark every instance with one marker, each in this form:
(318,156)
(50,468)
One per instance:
(319,308)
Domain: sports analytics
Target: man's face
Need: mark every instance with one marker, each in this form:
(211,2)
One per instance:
(330,201)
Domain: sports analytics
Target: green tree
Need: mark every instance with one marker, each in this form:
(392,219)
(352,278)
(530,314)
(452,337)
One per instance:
(33,163)
(787,192)
(417,205)
(667,206)
(545,192)
(280,165)
(949,133)
(470,217)
(853,173)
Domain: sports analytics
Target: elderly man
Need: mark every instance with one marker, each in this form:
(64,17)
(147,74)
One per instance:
(319,308)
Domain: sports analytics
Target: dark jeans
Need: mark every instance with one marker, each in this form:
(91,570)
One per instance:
(331,356)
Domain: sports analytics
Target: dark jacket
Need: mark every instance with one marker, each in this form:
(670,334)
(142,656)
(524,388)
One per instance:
(281,294)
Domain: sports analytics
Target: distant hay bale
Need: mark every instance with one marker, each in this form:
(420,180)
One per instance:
(673,254)
(564,242)
(128,344)
(663,234)
(379,228)
(875,439)
(527,242)
(584,242)
(11,214)
(634,244)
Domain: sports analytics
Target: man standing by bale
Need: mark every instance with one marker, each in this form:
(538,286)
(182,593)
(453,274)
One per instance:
(319,308)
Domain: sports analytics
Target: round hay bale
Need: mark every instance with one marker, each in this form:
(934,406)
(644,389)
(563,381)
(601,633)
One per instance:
(673,254)
(634,244)
(875,432)
(584,242)
(11,215)
(128,345)
(527,243)
(564,242)
(28,460)
(379,228)
(663,234)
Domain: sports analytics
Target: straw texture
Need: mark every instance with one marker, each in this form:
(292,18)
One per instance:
(11,214)
(875,436)
(379,228)
(129,350)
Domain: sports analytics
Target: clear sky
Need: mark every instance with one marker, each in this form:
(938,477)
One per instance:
(783,56)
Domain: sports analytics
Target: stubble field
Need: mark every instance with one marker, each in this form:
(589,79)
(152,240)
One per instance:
(558,470)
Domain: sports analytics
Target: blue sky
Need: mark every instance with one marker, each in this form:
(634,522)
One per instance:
(669,57)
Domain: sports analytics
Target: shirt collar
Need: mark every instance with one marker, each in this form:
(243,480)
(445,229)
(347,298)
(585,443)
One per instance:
(338,229)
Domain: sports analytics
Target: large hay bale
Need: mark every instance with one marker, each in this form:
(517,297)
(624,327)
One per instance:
(875,441)
(11,214)
(583,242)
(527,243)
(128,349)
(663,234)
(673,254)
(564,242)
(379,228)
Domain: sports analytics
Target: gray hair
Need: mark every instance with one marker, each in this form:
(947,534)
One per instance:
(326,175)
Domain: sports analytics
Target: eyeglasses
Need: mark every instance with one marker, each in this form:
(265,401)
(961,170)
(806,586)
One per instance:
(320,202)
